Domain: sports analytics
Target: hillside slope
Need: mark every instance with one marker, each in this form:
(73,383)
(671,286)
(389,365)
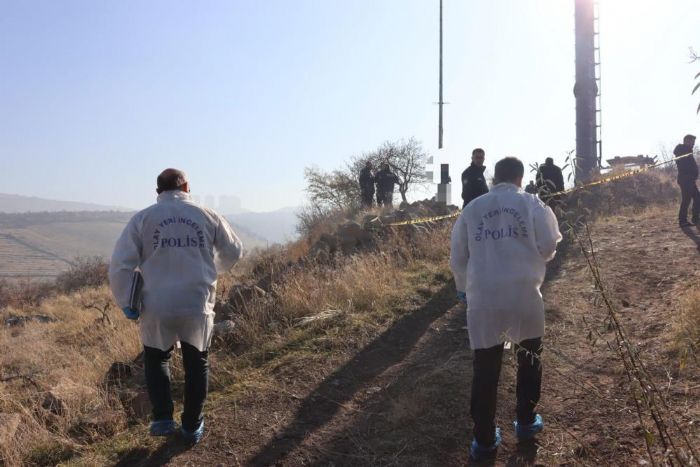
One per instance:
(394,389)
(42,245)
(274,227)
(17,203)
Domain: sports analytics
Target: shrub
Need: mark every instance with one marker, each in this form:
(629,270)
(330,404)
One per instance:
(315,220)
(24,293)
(85,272)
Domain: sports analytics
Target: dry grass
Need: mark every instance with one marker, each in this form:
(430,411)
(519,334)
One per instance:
(311,311)
(85,273)
(650,193)
(21,293)
(65,361)
(54,376)
(687,328)
(314,296)
(627,196)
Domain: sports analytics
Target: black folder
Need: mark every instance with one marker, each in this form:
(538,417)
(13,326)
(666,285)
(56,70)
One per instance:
(135,296)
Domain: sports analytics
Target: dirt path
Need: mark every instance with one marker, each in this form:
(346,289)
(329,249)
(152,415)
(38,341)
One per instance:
(648,264)
(403,399)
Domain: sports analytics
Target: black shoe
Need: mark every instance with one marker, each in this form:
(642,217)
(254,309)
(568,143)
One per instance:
(685,224)
(695,222)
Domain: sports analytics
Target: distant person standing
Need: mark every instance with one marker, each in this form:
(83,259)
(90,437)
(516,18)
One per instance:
(385,179)
(500,246)
(473,180)
(178,247)
(550,180)
(531,188)
(367,185)
(687,176)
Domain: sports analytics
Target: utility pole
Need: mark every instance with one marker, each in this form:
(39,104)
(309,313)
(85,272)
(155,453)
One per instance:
(440,101)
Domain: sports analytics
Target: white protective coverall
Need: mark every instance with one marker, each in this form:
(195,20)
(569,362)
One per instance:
(500,245)
(179,248)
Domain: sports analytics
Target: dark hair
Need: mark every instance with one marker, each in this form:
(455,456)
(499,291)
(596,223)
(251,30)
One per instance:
(478,150)
(688,138)
(549,161)
(508,169)
(170,179)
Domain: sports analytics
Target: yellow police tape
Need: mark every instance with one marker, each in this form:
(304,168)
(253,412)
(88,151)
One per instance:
(602,181)
(423,220)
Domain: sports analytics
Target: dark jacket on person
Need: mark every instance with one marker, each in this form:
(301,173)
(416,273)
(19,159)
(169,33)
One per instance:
(687,167)
(367,181)
(473,183)
(386,180)
(550,177)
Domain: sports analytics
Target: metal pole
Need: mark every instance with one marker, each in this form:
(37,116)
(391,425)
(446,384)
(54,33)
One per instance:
(585,91)
(440,101)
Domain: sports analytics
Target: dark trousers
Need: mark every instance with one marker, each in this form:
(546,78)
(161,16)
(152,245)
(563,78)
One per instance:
(196,383)
(487,369)
(689,192)
(367,198)
(385,198)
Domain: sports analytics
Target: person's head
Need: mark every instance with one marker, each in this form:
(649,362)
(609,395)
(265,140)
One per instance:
(172,179)
(478,156)
(689,140)
(549,161)
(368,165)
(385,166)
(509,170)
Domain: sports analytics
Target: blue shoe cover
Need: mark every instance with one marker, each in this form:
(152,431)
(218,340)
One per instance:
(163,427)
(193,437)
(478,452)
(529,431)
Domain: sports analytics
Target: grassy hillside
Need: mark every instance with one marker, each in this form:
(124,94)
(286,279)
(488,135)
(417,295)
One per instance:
(70,239)
(274,227)
(362,359)
(17,259)
(22,204)
(42,245)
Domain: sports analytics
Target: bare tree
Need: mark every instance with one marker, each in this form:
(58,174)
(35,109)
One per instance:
(407,160)
(338,189)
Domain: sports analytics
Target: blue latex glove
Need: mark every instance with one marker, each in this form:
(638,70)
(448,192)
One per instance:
(130,313)
(462,297)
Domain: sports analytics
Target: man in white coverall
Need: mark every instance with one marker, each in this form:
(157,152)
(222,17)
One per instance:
(179,247)
(500,246)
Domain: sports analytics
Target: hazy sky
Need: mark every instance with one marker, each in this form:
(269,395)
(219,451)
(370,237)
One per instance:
(96,97)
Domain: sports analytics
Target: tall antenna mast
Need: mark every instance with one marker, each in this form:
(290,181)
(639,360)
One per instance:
(598,80)
(586,90)
(440,101)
